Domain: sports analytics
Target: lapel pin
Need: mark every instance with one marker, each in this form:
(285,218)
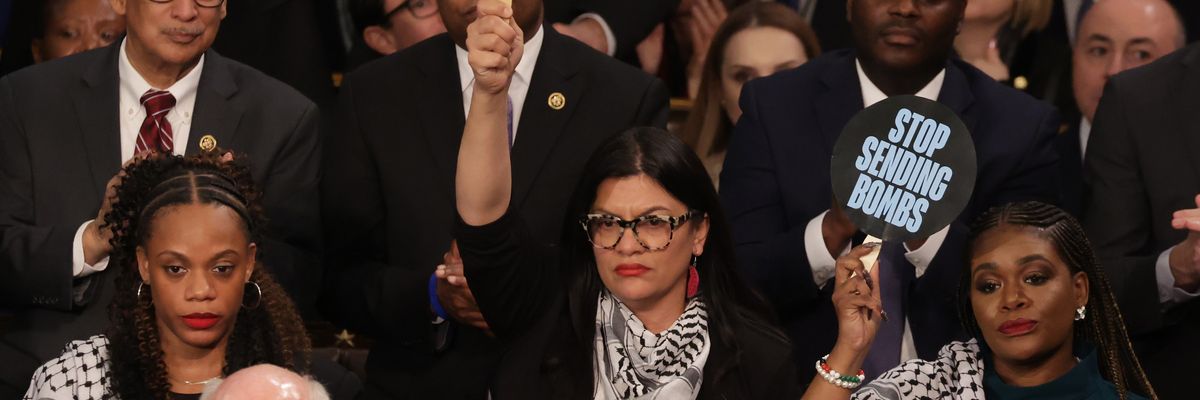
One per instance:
(208,143)
(557,101)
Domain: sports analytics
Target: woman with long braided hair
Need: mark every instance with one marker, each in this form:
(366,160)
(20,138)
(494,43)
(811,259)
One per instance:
(1041,311)
(191,303)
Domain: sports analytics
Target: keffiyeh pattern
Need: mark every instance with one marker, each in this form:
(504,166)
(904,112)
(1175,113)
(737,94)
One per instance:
(634,363)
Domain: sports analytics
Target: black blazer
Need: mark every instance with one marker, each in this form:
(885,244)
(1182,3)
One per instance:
(1072,187)
(1143,166)
(389,192)
(520,287)
(776,178)
(59,146)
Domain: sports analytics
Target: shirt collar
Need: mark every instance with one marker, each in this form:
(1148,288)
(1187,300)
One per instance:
(524,72)
(133,85)
(1085,130)
(871,93)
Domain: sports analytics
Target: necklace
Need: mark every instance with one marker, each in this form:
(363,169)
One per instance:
(201,382)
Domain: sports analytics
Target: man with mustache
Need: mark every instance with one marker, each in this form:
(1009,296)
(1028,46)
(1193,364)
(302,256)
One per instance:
(66,127)
(389,188)
(776,181)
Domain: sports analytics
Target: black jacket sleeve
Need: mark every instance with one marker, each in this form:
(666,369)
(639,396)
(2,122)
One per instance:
(514,279)
(35,259)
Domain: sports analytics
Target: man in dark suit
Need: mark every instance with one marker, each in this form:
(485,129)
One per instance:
(776,181)
(389,187)
(67,125)
(1113,36)
(1143,214)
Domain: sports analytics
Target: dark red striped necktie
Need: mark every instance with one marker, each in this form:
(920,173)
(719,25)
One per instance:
(156,133)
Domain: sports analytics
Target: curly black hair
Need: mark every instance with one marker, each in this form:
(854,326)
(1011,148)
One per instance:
(1103,326)
(271,332)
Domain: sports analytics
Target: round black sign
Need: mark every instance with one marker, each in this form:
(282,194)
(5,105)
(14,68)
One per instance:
(903,168)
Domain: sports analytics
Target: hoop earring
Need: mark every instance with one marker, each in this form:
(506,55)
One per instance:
(139,290)
(257,300)
(1081,313)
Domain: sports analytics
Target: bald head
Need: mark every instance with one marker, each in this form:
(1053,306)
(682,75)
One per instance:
(1117,35)
(265,382)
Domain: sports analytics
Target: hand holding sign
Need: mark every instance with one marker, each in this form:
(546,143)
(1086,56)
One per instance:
(902,169)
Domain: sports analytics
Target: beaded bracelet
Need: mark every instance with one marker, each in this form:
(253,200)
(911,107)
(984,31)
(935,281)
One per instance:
(837,379)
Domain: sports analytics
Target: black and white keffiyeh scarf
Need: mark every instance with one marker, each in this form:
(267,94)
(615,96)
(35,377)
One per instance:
(633,363)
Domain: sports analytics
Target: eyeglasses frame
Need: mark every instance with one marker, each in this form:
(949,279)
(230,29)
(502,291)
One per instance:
(407,5)
(674,222)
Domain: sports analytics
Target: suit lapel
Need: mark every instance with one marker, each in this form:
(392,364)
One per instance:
(841,99)
(216,113)
(1189,120)
(541,125)
(441,115)
(956,94)
(97,105)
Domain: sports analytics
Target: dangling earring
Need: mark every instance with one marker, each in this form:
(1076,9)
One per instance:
(139,290)
(1081,313)
(693,283)
(257,299)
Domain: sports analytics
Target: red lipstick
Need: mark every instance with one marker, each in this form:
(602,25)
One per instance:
(201,321)
(1018,327)
(631,269)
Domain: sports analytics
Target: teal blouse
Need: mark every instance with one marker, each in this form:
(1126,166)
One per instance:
(964,371)
(1083,382)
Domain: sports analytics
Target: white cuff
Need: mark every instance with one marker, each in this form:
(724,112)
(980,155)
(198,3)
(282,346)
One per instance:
(1167,292)
(79,267)
(921,257)
(823,264)
(608,33)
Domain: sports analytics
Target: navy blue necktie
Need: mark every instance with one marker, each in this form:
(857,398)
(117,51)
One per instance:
(510,123)
(895,277)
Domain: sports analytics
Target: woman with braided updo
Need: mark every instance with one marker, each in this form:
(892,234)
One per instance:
(1041,311)
(191,303)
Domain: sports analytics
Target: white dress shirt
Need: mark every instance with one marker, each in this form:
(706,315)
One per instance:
(823,263)
(1085,131)
(132,114)
(608,33)
(520,81)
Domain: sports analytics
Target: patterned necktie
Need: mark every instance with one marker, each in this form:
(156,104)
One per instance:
(895,276)
(155,133)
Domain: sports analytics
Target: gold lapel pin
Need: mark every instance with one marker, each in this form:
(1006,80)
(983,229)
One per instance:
(208,143)
(557,101)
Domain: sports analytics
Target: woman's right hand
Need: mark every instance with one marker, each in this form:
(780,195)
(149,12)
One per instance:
(495,45)
(857,303)
(483,181)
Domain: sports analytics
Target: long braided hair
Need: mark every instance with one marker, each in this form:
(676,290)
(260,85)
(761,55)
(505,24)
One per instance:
(271,332)
(1104,327)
